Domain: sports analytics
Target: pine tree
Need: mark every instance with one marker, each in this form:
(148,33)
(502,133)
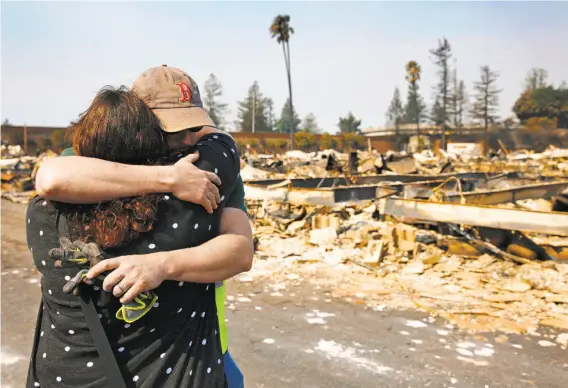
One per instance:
(270,116)
(395,112)
(349,124)
(441,56)
(253,105)
(415,108)
(437,113)
(487,98)
(212,104)
(461,106)
(310,124)
(283,123)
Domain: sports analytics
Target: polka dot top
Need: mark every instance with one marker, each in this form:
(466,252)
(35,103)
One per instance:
(176,344)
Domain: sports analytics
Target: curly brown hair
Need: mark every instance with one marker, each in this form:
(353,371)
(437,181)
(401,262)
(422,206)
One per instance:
(119,127)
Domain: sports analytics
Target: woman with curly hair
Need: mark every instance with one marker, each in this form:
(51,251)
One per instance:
(164,338)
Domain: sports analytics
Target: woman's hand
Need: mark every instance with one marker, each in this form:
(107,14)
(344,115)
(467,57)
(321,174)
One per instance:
(130,275)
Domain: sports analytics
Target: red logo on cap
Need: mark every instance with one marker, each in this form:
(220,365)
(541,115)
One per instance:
(185,92)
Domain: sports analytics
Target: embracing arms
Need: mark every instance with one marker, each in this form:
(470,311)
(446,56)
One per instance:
(76,179)
(222,257)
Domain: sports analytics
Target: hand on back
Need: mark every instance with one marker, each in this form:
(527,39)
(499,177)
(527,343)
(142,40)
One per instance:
(194,185)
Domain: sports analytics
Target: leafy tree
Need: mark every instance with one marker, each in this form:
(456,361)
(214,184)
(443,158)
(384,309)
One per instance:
(283,124)
(213,92)
(487,97)
(541,124)
(441,56)
(536,79)
(309,124)
(415,110)
(270,116)
(349,124)
(57,138)
(547,102)
(281,30)
(252,106)
(6,122)
(328,142)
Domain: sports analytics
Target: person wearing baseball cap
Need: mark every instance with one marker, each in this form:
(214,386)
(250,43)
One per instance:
(174,98)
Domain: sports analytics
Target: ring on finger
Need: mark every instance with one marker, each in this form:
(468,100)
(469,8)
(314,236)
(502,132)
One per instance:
(121,287)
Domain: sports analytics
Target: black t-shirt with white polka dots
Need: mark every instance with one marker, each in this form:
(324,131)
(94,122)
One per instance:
(176,344)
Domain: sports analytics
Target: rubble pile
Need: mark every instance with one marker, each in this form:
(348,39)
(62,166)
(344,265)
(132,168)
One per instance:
(298,164)
(482,242)
(384,264)
(18,175)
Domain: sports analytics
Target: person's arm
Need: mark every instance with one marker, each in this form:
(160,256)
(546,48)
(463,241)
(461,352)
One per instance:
(76,179)
(218,259)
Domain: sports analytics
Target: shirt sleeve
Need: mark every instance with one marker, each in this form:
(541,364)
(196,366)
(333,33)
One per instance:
(68,152)
(237,197)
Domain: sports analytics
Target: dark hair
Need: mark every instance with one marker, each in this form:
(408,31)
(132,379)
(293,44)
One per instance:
(119,127)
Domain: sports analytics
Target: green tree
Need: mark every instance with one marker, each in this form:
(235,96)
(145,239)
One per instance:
(281,30)
(252,107)
(310,124)
(349,124)
(486,98)
(415,110)
(285,120)
(549,102)
(441,56)
(536,79)
(6,122)
(213,92)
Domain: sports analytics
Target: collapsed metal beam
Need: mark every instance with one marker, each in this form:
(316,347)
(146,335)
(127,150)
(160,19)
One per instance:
(327,182)
(493,197)
(476,215)
(328,191)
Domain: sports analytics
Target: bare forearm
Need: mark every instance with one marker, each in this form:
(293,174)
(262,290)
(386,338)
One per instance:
(76,179)
(218,259)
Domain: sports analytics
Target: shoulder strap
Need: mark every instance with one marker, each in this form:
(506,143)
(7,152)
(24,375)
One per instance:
(112,370)
(106,355)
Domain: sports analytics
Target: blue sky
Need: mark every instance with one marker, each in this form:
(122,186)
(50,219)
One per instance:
(346,56)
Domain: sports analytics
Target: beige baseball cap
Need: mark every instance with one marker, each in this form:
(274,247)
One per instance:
(174,97)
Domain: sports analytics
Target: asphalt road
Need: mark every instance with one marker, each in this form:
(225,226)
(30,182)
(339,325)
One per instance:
(301,337)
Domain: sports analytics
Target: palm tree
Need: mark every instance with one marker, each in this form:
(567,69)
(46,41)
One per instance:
(281,30)
(413,71)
